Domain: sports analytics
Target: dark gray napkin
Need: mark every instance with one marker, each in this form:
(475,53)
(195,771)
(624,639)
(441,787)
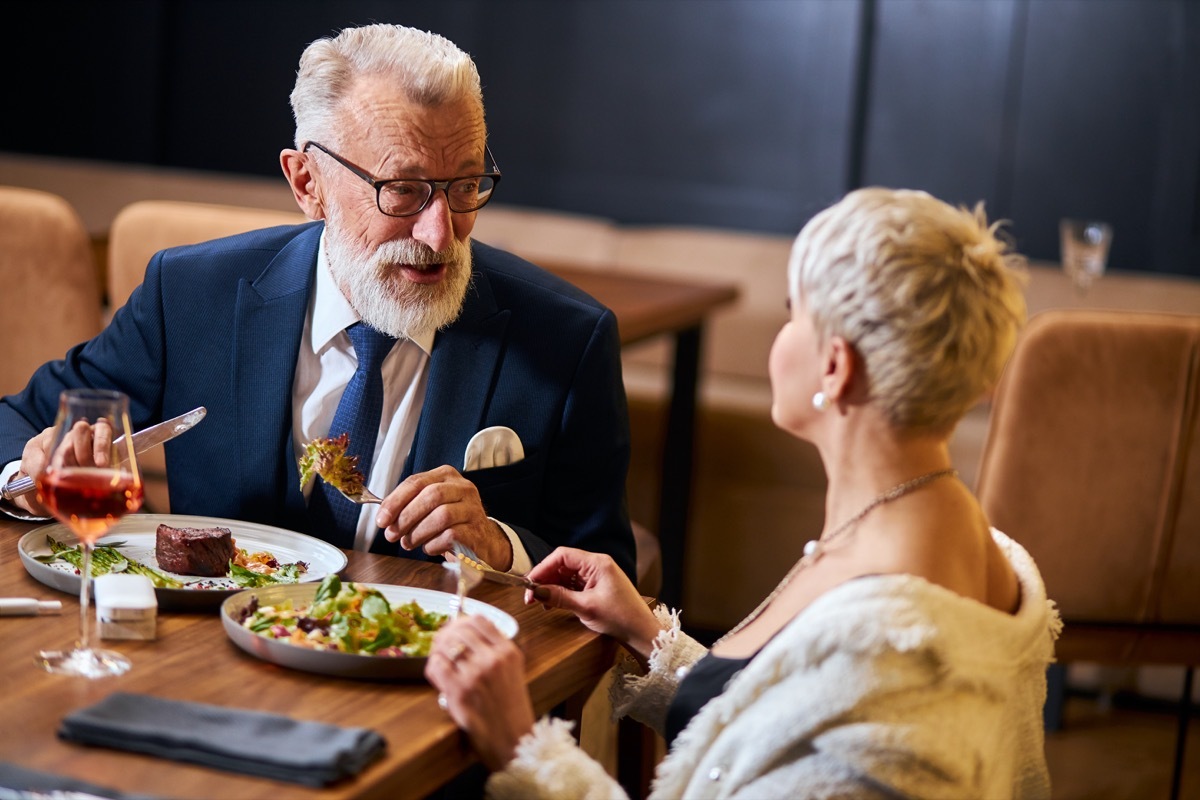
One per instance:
(18,781)
(252,742)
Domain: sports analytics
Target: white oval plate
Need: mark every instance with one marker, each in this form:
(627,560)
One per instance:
(344,665)
(138,533)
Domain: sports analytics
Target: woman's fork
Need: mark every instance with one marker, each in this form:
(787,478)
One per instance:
(468,579)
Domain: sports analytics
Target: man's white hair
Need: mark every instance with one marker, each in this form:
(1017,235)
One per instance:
(430,70)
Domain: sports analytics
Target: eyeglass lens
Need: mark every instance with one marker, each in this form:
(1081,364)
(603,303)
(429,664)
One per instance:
(399,198)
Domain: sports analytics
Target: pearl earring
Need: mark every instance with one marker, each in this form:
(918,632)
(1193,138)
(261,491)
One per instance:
(821,402)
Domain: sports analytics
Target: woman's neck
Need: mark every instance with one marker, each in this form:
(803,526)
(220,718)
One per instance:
(865,457)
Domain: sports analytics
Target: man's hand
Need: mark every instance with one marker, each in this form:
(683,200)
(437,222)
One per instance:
(34,458)
(433,510)
(84,445)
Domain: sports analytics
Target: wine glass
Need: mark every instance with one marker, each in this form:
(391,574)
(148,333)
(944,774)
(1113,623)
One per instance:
(89,483)
(1084,245)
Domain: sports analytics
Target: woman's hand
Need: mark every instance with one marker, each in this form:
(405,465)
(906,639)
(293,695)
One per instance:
(481,675)
(593,587)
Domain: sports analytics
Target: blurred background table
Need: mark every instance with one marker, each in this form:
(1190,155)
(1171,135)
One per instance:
(1049,287)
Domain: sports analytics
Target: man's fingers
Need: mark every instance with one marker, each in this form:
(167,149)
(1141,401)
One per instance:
(102,439)
(80,445)
(400,498)
(437,508)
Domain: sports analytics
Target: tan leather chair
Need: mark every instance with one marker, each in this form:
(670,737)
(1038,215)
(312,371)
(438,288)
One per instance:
(1092,462)
(139,231)
(51,294)
(142,229)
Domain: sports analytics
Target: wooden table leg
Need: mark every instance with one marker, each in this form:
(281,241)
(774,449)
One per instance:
(676,490)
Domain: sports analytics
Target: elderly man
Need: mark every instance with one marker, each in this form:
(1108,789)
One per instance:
(482,395)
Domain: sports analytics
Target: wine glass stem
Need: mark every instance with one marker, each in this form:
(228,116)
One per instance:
(85,595)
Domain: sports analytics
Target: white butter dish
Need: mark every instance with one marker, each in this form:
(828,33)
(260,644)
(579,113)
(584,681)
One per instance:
(126,607)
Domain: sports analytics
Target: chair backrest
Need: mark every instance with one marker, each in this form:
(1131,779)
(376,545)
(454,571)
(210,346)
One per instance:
(139,231)
(1092,462)
(51,295)
(143,228)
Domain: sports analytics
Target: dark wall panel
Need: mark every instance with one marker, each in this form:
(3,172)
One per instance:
(228,108)
(1096,106)
(83,79)
(1175,210)
(673,111)
(936,112)
(747,114)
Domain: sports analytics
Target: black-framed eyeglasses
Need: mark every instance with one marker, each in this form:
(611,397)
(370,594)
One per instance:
(403,197)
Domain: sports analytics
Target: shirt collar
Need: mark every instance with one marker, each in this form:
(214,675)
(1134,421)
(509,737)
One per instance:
(332,312)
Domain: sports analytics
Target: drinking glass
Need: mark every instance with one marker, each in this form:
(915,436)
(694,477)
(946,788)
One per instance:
(90,481)
(1084,245)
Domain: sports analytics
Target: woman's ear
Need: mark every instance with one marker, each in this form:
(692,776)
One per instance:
(304,185)
(840,368)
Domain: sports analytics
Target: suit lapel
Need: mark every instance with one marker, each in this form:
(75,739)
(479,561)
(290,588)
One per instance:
(266,340)
(462,374)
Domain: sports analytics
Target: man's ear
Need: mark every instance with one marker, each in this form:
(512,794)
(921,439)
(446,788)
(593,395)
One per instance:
(304,185)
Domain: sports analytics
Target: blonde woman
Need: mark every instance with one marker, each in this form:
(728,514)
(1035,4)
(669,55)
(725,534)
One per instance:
(904,654)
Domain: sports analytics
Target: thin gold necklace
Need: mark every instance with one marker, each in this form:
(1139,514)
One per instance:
(814,549)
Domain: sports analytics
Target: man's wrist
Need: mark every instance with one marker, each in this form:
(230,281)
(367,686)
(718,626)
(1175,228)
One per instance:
(521,563)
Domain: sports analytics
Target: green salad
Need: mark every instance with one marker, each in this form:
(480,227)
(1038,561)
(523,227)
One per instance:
(344,617)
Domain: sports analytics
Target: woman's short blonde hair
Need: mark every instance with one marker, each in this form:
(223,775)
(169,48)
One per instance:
(430,69)
(929,296)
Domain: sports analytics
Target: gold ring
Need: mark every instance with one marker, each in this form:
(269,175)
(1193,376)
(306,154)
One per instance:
(457,652)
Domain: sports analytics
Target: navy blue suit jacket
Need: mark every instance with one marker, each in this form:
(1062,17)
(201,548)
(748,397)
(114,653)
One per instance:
(219,324)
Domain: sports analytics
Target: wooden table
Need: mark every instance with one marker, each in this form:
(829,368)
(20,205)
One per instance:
(645,308)
(192,659)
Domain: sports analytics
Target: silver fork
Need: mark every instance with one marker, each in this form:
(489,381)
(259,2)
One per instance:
(362,498)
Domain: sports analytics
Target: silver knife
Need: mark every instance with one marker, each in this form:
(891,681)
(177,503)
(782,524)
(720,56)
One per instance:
(143,440)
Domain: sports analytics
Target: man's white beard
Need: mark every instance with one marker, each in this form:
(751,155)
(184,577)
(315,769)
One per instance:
(385,299)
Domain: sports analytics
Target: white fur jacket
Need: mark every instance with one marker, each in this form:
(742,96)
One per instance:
(886,686)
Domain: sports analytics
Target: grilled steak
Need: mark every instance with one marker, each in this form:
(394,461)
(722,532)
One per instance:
(194,551)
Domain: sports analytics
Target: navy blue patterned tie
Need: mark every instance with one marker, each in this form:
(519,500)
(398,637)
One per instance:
(358,415)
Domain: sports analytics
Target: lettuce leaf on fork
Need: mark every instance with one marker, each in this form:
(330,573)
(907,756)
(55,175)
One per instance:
(327,457)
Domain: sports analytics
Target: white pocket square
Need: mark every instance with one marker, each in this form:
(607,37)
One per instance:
(496,446)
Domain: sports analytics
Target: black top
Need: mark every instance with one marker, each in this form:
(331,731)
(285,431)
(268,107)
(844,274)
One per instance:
(707,678)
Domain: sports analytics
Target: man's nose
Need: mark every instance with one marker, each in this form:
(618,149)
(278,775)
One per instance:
(434,226)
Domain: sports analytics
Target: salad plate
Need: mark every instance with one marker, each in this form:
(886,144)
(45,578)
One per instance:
(137,531)
(339,664)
